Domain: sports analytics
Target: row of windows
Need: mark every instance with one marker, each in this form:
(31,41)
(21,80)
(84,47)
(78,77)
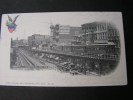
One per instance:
(101,36)
(101,27)
(112,33)
(95,28)
(105,35)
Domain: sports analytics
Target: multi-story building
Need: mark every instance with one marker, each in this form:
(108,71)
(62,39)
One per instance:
(36,40)
(64,34)
(77,35)
(96,40)
(100,32)
(55,32)
(103,34)
(94,46)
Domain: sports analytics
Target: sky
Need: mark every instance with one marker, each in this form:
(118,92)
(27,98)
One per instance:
(39,23)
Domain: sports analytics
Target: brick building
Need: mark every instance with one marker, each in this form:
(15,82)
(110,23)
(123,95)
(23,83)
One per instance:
(101,33)
(64,34)
(36,40)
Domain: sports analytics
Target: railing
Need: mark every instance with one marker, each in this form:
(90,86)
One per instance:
(93,56)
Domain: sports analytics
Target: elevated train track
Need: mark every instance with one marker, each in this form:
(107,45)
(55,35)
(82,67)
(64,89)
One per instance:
(85,63)
(25,61)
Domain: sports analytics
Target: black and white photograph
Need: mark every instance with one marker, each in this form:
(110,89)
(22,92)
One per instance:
(64,49)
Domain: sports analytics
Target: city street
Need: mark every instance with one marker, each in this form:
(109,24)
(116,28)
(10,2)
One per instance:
(28,61)
(91,48)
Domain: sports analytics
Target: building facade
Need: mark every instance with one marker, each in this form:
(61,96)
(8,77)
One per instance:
(36,40)
(95,40)
(102,33)
(64,34)
(99,32)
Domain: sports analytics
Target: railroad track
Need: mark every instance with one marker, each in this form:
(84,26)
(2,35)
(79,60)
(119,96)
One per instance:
(24,61)
(27,61)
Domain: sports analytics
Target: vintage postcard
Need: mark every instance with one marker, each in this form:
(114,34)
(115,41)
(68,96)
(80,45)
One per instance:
(70,49)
